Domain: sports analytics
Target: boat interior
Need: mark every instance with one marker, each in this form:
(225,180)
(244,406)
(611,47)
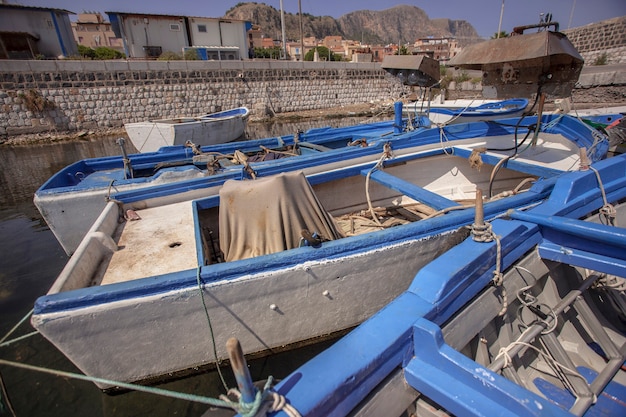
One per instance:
(138,168)
(562,334)
(551,327)
(410,187)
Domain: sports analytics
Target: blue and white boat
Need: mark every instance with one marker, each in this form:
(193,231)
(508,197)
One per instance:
(524,318)
(207,129)
(288,259)
(451,111)
(71,200)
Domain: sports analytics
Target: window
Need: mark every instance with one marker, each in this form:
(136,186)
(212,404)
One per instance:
(175,27)
(202,28)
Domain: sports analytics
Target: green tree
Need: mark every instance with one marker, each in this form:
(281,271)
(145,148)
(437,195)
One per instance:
(497,35)
(272,53)
(323,52)
(601,60)
(403,50)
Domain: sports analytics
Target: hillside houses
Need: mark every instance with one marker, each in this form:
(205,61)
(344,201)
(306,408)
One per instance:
(37,32)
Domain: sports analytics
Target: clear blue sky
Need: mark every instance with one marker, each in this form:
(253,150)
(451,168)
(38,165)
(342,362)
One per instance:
(484,15)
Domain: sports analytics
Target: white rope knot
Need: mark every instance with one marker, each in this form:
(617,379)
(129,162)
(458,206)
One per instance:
(504,353)
(609,213)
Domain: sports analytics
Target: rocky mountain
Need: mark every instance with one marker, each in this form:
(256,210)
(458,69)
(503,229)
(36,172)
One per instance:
(400,24)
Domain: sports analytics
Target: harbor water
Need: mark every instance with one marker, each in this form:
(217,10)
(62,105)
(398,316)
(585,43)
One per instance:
(30,261)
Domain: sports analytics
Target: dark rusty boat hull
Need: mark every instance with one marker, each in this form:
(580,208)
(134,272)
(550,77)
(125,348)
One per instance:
(523,65)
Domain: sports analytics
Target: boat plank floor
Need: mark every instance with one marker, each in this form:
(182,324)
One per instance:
(164,234)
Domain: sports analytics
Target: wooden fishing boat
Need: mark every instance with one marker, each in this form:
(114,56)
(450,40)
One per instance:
(71,200)
(208,129)
(288,259)
(446,113)
(526,317)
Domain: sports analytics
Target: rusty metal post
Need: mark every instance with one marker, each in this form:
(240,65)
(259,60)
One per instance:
(240,369)
(584,160)
(479,217)
(542,100)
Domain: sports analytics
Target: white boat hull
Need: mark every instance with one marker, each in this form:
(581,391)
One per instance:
(143,337)
(151,135)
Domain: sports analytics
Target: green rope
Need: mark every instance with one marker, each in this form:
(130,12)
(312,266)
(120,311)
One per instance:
(17,339)
(17,325)
(118,384)
(208,317)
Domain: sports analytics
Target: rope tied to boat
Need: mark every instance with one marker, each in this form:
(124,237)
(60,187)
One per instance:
(483,232)
(448,150)
(607,210)
(475,160)
(265,401)
(387,154)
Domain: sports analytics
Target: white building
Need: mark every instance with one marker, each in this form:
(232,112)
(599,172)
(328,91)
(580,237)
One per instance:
(148,36)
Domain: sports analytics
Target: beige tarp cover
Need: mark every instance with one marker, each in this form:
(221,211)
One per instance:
(267,215)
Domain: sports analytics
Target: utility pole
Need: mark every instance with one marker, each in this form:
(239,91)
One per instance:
(500,23)
(301,32)
(282,25)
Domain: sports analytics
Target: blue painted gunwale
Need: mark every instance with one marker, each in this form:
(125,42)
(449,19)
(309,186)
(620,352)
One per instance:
(238,111)
(64,181)
(578,132)
(500,108)
(336,380)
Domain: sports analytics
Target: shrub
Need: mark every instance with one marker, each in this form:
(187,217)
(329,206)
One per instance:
(169,56)
(102,52)
(191,55)
(35,102)
(601,60)
(86,52)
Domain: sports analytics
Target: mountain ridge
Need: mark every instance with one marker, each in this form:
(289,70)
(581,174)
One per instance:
(398,24)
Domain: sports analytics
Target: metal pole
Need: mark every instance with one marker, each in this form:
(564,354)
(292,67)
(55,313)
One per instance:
(282,25)
(571,15)
(240,369)
(500,23)
(301,32)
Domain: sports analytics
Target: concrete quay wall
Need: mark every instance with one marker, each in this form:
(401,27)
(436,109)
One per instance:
(42,96)
(594,40)
(70,96)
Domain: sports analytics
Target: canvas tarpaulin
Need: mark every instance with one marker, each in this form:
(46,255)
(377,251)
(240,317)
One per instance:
(268,215)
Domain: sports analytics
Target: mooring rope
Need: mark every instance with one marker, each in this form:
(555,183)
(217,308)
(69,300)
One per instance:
(484,233)
(118,384)
(265,401)
(14,328)
(607,210)
(208,317)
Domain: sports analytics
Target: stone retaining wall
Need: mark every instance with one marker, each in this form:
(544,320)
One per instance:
(38,96)
(597,39)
